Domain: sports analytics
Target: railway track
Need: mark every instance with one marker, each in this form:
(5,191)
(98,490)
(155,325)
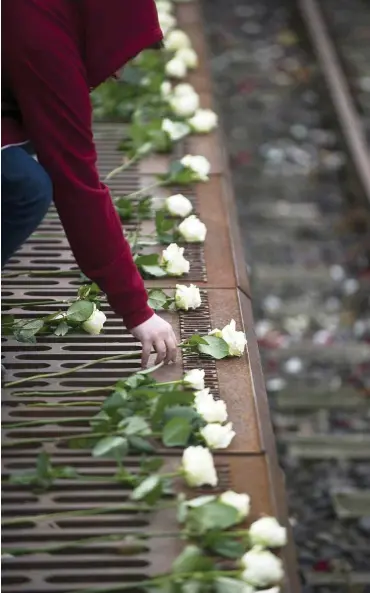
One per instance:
(296,135)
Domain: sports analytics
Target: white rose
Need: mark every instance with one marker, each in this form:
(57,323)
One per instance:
(175,129)
(267,532)
(195,379)
(188,56)
(178,205)
(167,21)
(209,409)
(240,502)
(176,68)
(192,229)
(187,297)
(184,105)
(198,467)
(236,340)
(217,436)
(164,6)
(177,39)
(173,260)
(166,88)
(184,88)
(94,324)
(261,568)
(198,165)
(203,121)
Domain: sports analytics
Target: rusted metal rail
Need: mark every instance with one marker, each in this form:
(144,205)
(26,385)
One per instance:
(250,465)
(339,90)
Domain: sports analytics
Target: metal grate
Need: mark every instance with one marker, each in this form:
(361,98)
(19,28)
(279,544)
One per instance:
(100,564)
(199,322)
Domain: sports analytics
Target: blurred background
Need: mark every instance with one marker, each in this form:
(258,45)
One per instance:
(305,228)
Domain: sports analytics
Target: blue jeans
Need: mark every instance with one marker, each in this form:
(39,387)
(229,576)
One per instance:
(26,194)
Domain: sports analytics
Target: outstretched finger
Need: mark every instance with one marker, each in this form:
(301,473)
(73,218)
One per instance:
(171,349)
(160,348)
(147,348)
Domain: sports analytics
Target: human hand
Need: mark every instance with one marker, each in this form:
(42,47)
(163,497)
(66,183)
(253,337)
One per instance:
(158,334)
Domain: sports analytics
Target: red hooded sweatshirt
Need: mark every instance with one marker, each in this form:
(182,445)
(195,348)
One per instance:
(53,53)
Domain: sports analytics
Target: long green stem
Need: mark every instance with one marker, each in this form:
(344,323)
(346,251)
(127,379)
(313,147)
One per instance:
(65,437)
(103,539)
(46,421)
(90,540)
(82,513)
(162,579)
(70,371)
(12,305)
(122,167)
(42,273)
(76,404)
(143,190)
(65,393)
(180,381)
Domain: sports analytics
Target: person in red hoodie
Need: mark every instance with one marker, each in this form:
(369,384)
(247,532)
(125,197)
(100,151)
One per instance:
(54,52)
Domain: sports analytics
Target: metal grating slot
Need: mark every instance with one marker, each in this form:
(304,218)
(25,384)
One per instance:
(65,567)
(199,322)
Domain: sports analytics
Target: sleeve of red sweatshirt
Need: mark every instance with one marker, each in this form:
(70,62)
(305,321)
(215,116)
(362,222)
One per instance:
(53,95)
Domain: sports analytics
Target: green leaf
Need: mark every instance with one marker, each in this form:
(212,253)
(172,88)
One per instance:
(215,347)
(224,544)
(152,259)
(162,223)
(61,329)
(27,331)
(199,501)
(84,278)
(150,264)
(195,340)
(80,311)
(149,490)
(139,379)
(171,398)
(87,290)
(7,322)
(139,444)
(187,412)
(228,585)
(131,74)
(176,167)
(115,401)
(82,443)
(124,208)
(191,560)
(144,207)
(155,271)
(43,465)
(151,465)
(192,587)
(135,425)
(100,422)
(66,472)
(211,516)
(176,432)
(111,446)
(157,299)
